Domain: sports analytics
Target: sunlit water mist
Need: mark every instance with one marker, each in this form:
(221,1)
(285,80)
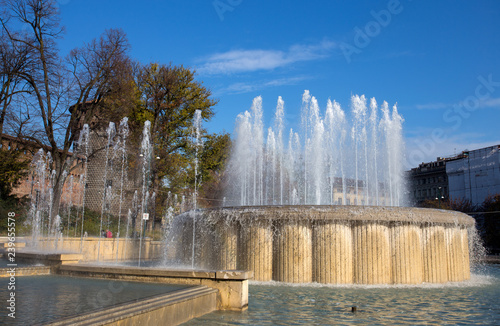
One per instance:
(113,166)
(335,159)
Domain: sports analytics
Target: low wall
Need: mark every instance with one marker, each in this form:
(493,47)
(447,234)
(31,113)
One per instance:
(173,308)
(25,271)
(104,249)
(232,286)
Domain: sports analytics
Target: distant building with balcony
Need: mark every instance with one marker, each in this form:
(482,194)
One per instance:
(429,181)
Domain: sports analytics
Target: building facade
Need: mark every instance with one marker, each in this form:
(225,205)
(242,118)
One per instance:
(26,187)
(429,181)
(475,175)
(471,175)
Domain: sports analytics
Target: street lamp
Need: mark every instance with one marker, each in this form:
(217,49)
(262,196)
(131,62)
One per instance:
(439,197)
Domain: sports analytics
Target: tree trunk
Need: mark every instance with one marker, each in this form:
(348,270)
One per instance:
(57,189)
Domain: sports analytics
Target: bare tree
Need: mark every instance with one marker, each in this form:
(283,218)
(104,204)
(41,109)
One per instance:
(65,93)
(14,60)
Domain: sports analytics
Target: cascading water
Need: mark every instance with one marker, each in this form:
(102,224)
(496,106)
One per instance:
(197,145)
(57,231)
(130,215)
(121,152)
(69,200)
(321,165)
(146,151)
(83,146)
(107,191)
(41,205)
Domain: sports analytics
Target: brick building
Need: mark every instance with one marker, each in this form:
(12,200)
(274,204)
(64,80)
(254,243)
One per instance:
(26,187)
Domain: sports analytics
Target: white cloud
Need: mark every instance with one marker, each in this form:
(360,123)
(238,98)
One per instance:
(235,61)
(488,103)
(421,147)
(432,106)
(239,88)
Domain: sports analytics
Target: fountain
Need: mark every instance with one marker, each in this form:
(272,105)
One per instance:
(327,207)
(331,162)
(104,192)
(291,216)
(324,206)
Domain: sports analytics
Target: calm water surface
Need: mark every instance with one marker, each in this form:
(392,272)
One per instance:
(476,302)
(43,299)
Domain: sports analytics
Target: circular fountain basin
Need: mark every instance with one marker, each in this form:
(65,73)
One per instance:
(330,244)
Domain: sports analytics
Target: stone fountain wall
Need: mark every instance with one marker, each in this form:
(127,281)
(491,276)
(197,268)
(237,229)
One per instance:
(332,244)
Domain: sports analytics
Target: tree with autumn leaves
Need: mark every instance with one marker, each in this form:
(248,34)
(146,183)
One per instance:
(170,97)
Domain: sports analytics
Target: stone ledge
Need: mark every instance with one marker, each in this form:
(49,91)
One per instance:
(233,275)
(231,285)
(138,271)
(491,259)
(172,308)
(17,244)
(342,213)
(25,271)
(53,259)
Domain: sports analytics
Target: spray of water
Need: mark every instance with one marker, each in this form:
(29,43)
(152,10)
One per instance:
(329,162)
(106,194)
(121,153)
(83,145)
(146,151)
(197,143)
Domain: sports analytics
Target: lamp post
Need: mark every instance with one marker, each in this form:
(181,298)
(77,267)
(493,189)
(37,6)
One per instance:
(149,172)
(439,197)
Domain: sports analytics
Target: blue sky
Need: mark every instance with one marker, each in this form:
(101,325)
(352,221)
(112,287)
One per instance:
(439,60)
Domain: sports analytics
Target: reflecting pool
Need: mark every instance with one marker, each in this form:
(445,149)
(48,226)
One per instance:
(44,299)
